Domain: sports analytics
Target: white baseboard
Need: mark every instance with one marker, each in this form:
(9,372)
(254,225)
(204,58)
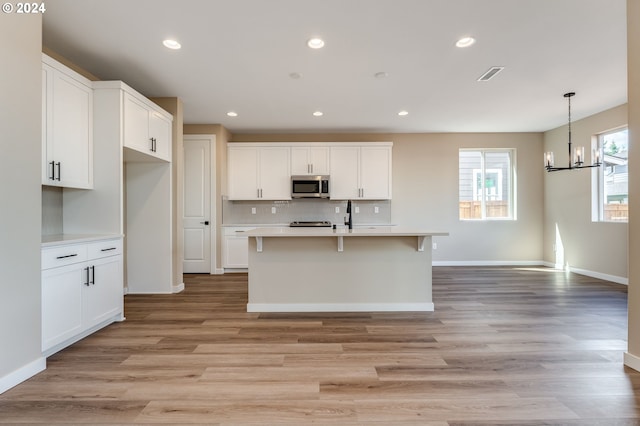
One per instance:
(487,263)
(593,274)
(606,277)
(235,270)
(21,374)
(632,361)
(600,276)
(218,271)
(340,307)
(177,288)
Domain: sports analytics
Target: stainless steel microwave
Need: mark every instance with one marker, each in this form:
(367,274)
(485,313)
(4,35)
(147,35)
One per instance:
(310,186)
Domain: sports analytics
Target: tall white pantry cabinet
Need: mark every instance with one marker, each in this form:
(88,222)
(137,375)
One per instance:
(122,156)
(134,197)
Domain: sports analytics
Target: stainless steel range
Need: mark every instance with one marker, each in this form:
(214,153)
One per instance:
(310,224)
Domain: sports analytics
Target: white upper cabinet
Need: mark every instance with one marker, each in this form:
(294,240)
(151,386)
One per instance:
(67,127)
(345,173)
(242,170)
(375,172)
(258,173)
(361,172)
(262,171)
(310,160)
(147,129)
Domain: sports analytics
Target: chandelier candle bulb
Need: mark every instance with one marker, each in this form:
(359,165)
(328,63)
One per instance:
(597,158)
(579,155)
(548,159)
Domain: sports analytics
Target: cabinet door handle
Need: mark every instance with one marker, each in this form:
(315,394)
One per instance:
(93,275)
(155,145)
(87,270)
(311,167)
(108,249)
(59,167)
(206,222)
(66,256)
(53,170)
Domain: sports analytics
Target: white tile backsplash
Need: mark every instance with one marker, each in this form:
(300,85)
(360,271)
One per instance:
(283,212)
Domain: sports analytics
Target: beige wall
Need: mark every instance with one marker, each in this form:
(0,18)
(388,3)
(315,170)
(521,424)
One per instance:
(589,246)
(633,73)
(20,227)
(425,191)
(174,107)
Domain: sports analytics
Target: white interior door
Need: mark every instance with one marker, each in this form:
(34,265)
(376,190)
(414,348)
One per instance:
(197,220)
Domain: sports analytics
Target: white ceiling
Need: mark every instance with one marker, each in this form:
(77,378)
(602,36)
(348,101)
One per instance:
(238,55)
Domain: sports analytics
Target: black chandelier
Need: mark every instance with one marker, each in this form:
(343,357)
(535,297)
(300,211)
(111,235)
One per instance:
(578,153)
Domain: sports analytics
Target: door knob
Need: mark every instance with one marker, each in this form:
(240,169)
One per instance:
(206,222)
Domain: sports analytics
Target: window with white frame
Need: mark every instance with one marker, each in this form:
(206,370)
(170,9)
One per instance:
(611,186)
(485,184)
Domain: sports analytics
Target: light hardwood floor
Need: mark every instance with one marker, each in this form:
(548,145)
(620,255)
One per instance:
(526,346)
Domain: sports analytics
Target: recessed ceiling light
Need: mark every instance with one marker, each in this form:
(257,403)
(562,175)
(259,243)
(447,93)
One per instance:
(381,74)
(403,113)
(232,114)
(318,114)
(171,44)
(315,43)
(295,75)
(465,42)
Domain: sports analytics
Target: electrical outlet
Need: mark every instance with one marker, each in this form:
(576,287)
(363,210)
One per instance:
(376,209)
(357,209)
(435,246)
(253,210)
(273,210)
(337,209)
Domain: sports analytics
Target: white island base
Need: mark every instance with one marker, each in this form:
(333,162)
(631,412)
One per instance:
(321,270)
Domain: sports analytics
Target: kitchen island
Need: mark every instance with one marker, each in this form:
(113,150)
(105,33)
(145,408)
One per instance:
(326,270)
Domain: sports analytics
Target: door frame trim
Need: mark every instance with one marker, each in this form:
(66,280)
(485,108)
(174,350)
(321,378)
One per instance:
(213,208)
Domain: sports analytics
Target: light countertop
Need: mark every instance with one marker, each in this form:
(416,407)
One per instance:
(63,239)
(372,231)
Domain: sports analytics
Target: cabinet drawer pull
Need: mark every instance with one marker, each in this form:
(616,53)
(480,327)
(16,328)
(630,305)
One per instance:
(66,256)
(108,249)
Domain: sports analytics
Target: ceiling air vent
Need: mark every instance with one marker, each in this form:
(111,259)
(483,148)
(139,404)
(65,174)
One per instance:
(490,73)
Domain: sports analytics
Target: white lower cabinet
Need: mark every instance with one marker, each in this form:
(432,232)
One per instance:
(61,304)
(102,298)
(82,291)
(235,248)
